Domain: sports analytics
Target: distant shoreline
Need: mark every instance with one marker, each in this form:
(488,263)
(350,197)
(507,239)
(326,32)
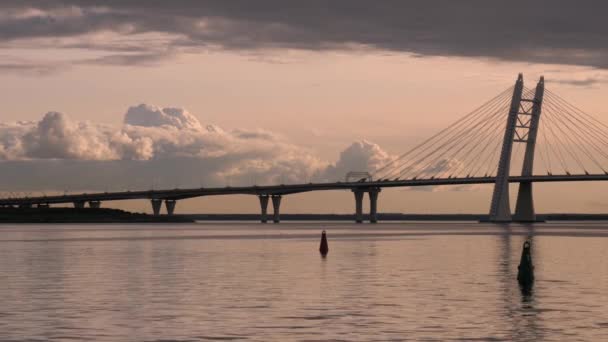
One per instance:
(106,215)
(389,217)
(82,215)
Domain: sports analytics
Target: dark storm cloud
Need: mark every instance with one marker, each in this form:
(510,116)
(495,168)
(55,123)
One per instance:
(557,31)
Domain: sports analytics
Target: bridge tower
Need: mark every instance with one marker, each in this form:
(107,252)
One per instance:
(522,127)
(524,207)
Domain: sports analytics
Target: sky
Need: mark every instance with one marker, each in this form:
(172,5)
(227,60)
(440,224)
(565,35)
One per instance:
(114,95)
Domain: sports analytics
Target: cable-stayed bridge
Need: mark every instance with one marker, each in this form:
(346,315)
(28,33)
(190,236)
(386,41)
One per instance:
(520,136)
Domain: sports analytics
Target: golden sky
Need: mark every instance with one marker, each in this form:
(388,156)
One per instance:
(313,96)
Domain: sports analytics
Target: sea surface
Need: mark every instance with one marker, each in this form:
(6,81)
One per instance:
(447,281)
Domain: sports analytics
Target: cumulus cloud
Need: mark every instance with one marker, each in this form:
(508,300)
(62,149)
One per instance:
(165,147)
(361,156)
(57,137)
(151,116)
(547,31)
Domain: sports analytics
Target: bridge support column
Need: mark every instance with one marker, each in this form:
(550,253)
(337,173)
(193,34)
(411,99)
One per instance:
(373,205)
(500,210)
(79,204)
(264,208)
(156,203)
(524,208)
(170,206)
(358,205)
(25,206)
(276,205)
(95,204)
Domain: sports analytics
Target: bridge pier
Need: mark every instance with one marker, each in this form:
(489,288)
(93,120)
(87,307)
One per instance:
(276,205)
(373,205)
(524,208)
(170,206)
(358,205)
(156,203)
(95,204)
(264,208)
(25,206)
(79,204)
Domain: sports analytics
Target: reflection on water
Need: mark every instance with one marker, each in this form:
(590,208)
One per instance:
(518,298)
(221,281)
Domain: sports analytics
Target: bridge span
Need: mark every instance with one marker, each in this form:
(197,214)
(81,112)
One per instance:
(479,148)
(274,193)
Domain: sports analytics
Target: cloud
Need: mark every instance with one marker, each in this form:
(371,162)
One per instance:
(151,116)
(547,31)
(439,168)
(29,67)
(56,137)
(161,147)
(167,148)
(148,58)
(581,82)
(360,156)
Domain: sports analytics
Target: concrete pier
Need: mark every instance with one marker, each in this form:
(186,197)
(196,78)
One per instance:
(95,204)
(170,206)
(373,205)
(524,207)
(358,205)
(264,208)
(156,203)
(276,206)
(79,204)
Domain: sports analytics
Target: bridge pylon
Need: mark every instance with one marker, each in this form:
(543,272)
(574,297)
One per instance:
(522,127)
(524,208)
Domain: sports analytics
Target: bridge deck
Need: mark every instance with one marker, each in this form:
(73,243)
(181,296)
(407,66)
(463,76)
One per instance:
(285,189)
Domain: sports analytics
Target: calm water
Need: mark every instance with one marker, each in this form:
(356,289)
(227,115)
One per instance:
(245,281)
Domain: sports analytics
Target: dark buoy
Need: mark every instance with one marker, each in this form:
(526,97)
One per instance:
(525,270)
(323,248)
